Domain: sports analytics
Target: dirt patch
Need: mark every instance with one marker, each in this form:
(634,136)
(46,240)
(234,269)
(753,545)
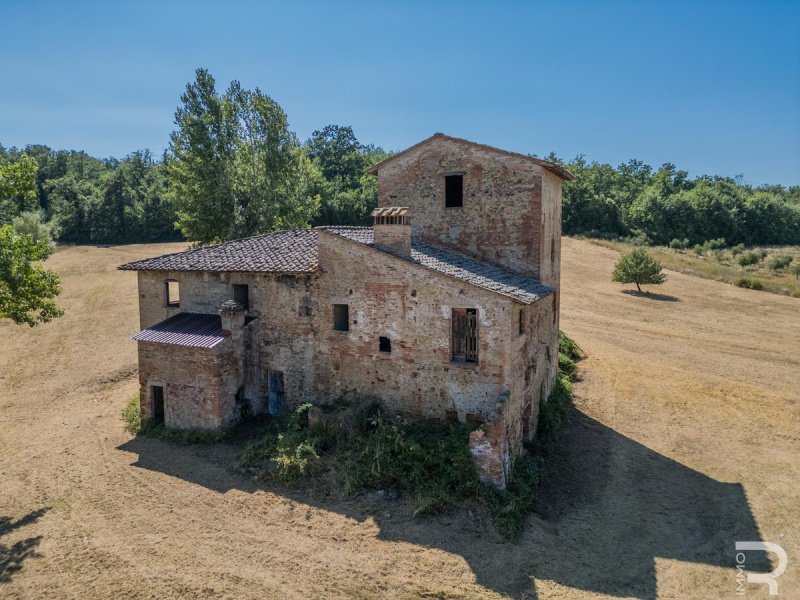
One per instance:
(684,438)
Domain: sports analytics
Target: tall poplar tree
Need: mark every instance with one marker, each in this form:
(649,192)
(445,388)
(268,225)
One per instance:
(235,168)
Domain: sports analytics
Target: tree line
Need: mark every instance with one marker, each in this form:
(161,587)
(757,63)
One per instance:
(664,206)
(233,169)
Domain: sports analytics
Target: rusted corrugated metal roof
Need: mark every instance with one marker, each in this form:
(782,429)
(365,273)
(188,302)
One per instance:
(185,329)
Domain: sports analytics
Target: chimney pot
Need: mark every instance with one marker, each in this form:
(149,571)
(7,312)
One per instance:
(391,229)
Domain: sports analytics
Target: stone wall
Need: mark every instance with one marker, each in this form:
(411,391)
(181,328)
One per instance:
(501,221)
(391,297)
(191,379)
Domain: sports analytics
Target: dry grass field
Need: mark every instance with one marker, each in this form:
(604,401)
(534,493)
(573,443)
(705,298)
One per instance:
(684,438)
(723,265)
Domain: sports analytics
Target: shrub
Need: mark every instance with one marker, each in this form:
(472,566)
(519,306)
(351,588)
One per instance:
(295,457)
(715,244)
(748,258)
(737,249)
(779,262)
(132,415)
(698,249)
(677,244)
(33,223)
(751,284)
(637,266)
(795,270)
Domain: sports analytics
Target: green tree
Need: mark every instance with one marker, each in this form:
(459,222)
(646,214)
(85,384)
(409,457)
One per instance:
(17,188)
(32,223)
(26,289)
(235,168)
(637,266)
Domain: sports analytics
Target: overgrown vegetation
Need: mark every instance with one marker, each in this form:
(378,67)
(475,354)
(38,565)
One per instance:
(132,415)
(357,447)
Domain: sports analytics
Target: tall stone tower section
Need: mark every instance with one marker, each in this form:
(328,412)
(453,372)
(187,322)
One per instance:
(501,207)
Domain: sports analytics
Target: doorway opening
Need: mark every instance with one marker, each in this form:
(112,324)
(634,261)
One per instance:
(157,393)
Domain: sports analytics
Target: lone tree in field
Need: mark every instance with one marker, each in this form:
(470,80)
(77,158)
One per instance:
(638,267)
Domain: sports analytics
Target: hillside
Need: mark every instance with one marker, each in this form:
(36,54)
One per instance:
(684,438)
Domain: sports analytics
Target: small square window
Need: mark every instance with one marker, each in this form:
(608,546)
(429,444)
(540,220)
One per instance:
(241,294)
(384,344)
(341,317)
(453,191)
(172,290)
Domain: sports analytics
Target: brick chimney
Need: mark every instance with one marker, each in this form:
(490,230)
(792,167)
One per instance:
(232,315)
(391,229)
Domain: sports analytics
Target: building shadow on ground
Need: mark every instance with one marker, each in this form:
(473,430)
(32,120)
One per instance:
(13,555)
(608,508)
(652,296)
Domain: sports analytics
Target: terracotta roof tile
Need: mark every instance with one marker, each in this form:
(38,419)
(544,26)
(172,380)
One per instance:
(293,251)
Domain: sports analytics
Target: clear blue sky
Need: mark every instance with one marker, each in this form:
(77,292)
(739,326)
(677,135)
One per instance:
(711,86)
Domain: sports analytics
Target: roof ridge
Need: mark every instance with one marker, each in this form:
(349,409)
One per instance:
(551,166)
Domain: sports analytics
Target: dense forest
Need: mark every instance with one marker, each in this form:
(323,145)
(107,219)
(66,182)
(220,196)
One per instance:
(233,168)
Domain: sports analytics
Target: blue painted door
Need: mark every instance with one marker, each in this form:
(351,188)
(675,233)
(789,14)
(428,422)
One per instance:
(275,392)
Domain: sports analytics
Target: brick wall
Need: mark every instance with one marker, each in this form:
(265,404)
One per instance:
(505,198)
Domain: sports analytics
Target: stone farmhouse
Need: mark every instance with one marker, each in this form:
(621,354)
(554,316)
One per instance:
(446,308)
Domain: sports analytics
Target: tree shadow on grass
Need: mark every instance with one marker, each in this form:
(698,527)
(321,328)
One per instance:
(652,296)
(609,507)
(14,555)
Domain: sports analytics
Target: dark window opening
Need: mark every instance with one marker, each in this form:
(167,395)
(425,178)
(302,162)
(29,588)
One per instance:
(464,335)
(341,317)
(241,294)
(384,344)
(304,309)
(158,403)
(240,399)
(172,290)
(521,322)
(453,191)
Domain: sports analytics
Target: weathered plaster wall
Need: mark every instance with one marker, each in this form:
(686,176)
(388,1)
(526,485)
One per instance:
(411,306)
(500,221)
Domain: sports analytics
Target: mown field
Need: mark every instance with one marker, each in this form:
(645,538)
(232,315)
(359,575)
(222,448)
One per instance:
(684,438)
(723,264)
